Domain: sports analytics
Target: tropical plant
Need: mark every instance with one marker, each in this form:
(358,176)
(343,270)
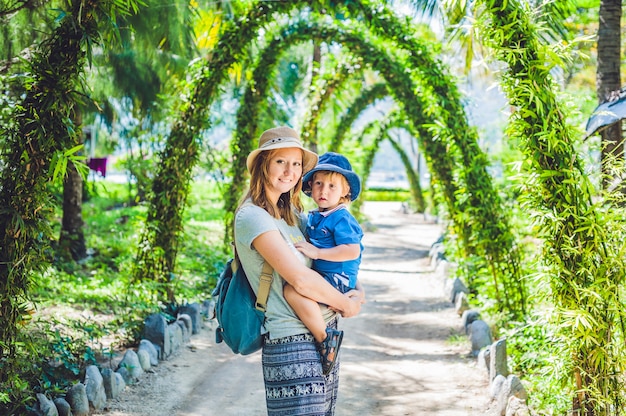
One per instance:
(582,234)
(38,145)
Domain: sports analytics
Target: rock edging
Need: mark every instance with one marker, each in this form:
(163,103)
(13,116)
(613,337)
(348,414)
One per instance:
(505,390)
(160,341)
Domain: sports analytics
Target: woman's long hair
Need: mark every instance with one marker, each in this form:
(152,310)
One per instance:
(289,204)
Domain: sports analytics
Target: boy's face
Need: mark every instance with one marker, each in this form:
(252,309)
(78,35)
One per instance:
(327,190)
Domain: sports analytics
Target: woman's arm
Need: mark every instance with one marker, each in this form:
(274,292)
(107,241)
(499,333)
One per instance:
(307,282)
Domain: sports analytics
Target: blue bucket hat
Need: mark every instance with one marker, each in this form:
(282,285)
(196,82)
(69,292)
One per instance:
(334,162)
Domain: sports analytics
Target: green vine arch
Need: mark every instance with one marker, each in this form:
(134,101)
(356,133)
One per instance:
(332,80)
(304,31)
(365,99)
(412,175)
(157,251)
(381,128)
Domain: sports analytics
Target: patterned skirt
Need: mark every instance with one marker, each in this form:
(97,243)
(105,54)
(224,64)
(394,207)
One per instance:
(294,382)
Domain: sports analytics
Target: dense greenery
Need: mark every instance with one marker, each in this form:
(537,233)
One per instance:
(38,142)
(100,309)
(582,232)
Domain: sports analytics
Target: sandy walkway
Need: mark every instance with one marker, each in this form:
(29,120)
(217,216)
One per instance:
(396,356)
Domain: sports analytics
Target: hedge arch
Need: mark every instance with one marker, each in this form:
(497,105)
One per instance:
(402,84)
(368,97)
(370,130)
(397,120)
(412,176)
(481,204)
(380,128)
(331,81)
(158,244)
(248,119)
(303,31)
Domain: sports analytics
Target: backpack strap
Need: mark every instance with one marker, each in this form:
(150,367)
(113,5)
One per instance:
(265,282)
(266,278)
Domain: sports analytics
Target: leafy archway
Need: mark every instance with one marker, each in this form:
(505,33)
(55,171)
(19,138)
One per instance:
(412,176)
(512,297)
(327,84)
(478,216)
(376,56)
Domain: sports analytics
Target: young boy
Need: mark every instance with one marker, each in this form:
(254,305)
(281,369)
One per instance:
(335,245)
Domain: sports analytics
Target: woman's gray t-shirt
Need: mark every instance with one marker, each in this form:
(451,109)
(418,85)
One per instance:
(250,222)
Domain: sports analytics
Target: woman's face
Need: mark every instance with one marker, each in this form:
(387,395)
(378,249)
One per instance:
(284,172)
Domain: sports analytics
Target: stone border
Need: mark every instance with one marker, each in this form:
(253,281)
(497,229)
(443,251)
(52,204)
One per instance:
(506,390)
(160,341)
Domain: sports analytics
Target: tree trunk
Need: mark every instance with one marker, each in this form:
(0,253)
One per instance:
(608,82)
(72,239)
(311,142)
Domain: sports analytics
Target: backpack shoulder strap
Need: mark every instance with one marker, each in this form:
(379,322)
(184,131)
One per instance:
(265,281)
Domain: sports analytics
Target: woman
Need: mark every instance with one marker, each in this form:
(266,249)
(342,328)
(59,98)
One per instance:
(268,223)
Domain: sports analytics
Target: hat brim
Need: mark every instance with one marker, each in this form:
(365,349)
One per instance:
(353,179)
(309,158)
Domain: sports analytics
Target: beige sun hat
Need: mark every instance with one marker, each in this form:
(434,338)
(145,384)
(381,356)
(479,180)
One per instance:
(282,138)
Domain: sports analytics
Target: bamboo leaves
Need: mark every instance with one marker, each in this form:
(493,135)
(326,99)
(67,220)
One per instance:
(578,246)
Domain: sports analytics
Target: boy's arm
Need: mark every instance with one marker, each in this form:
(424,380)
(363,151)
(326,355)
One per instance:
(342,252)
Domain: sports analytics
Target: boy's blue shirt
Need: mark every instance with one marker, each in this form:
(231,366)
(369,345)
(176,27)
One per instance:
(330,229)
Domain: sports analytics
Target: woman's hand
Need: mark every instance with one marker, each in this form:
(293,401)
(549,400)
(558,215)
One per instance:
(353,307)
(357,295)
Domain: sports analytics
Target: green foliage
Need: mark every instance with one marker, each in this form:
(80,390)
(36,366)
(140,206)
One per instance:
(387,194)
(35,150)
(582,260)
(51,356)
(531,349)
(103,310)
(362,101)
(38,142)
(103,281)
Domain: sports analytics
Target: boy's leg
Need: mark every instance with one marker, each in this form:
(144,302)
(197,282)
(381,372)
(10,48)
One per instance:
(308,311)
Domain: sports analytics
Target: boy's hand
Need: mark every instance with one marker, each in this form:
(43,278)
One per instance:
(308,249)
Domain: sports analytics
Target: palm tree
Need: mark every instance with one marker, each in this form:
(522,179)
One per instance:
(608,82)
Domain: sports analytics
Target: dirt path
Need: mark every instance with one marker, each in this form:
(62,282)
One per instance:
(397,358)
